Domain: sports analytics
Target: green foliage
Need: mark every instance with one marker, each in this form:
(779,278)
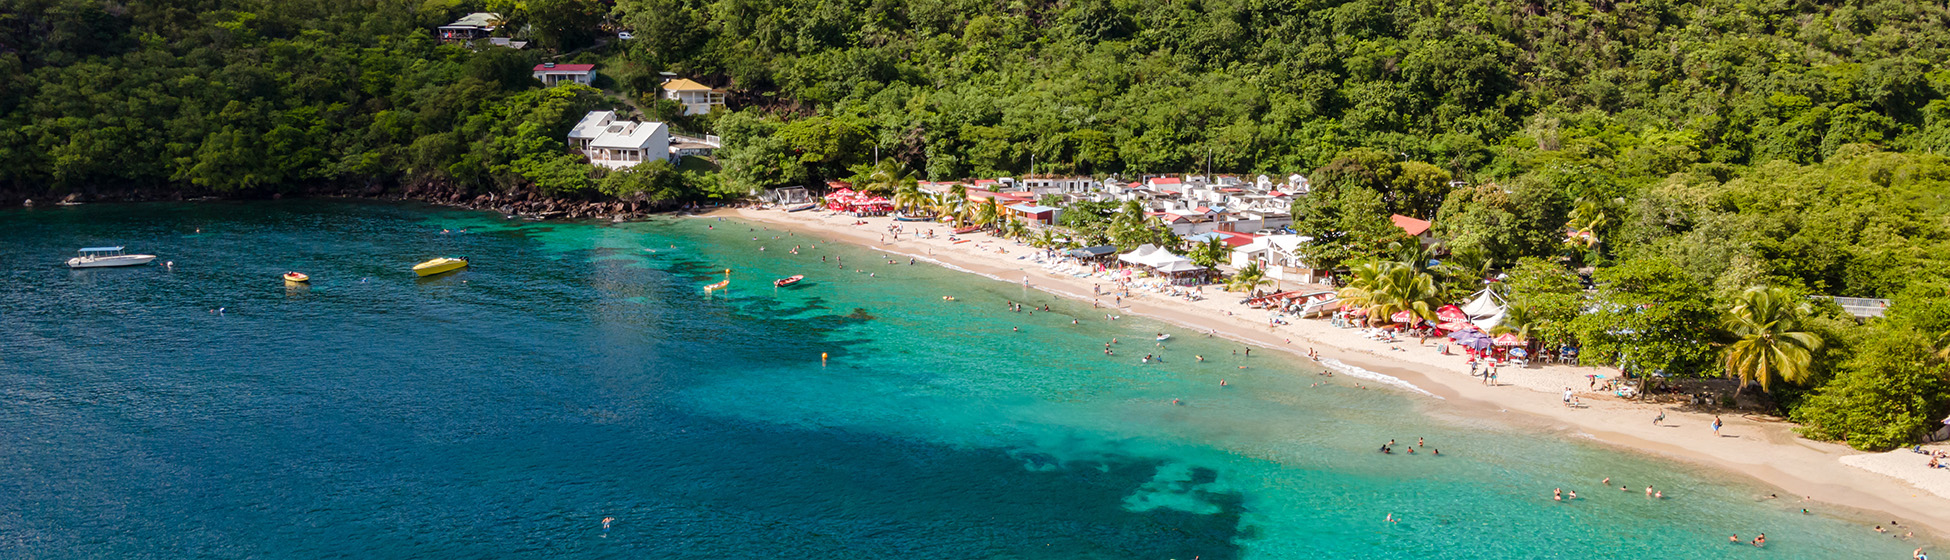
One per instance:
(1765,326)
(1385,288)
(1547,297)
(1889,395)
(1649,315)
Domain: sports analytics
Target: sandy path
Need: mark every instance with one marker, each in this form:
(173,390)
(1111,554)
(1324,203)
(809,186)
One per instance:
(1531,397)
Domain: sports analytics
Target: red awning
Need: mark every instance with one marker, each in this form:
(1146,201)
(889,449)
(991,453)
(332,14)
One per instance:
(1453,326)
(1451,314)
(1509,339)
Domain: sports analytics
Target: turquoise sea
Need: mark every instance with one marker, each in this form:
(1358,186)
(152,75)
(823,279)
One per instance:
(577,372)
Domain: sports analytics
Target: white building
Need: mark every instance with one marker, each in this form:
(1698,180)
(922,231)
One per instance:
(1278,256)
(476,25)
(697,98)
(618,144)
(553,74)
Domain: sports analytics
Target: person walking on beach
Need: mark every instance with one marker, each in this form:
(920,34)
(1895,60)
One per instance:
(1660,418)
(1716,426)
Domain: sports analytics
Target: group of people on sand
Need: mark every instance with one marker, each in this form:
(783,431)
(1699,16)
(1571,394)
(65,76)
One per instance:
(1389,449)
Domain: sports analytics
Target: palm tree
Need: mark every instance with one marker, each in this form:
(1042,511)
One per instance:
(908,195)
(1518,320)
(1044,239)
(1765,323)
(1248,279)
(1209,253)
(887,177)
(950,206)
(987,213)
(1385,288)
(1014,228)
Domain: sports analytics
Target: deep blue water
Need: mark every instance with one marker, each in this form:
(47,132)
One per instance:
(577,372)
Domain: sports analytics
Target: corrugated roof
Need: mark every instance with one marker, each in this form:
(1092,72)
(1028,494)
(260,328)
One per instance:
(477,19)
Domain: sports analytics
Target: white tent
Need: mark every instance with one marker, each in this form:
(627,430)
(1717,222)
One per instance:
(1486,304)
(1159,259)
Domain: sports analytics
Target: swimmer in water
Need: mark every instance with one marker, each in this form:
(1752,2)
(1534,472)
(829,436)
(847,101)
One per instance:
(606,521)
(1200,358)
(1222,382)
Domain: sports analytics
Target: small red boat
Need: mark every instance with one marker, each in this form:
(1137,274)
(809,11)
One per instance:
(788,281)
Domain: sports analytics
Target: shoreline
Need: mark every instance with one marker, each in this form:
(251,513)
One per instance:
(1759,449)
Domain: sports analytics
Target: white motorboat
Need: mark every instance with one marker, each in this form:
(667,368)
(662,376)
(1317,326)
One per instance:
(99,257)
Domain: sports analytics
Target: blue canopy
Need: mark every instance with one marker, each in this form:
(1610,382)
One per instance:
(99,249)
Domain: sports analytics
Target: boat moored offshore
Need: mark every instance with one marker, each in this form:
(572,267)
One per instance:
(103,257)
(439,266)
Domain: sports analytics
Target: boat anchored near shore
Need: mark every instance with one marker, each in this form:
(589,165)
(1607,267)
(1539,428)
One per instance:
(296,278)
(720,285)
(104,257)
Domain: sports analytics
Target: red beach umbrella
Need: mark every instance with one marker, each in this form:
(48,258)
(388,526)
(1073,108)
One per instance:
(1454,326)
(1509,339)
(1403,316)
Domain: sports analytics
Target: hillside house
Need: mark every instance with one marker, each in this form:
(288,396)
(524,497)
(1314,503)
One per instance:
(552,74)
(478,25)
(1414,227)
(617,144)
(696,98)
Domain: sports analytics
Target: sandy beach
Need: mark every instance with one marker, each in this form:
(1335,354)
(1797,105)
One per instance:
(1896,485)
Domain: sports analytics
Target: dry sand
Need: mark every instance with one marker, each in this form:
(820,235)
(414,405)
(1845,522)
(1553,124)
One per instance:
(1897,484)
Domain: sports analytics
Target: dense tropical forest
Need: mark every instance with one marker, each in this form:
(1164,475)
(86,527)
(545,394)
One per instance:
(1665,183)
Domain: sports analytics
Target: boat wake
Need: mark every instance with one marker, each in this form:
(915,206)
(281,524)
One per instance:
(1342,368)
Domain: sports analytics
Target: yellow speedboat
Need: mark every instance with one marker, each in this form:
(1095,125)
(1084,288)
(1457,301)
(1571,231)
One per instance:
(296,277)
(439,265)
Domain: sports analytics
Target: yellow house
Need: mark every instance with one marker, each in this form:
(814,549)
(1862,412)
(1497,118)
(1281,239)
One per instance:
(696,98)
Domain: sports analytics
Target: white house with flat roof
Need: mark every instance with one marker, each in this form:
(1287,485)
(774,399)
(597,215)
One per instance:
(616,144)
(553,74)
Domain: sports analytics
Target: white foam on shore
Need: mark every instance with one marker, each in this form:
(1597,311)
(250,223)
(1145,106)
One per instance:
(1342,368)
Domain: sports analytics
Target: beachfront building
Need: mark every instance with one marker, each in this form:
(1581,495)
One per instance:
(1037,213)
(697,99)
(1278,256)
(478,25)
(551,74)
(618,143)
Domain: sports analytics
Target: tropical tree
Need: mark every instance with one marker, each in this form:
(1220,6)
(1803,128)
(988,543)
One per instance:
(1209,253)
(889,176)
(953,206)
(909,196)
(1013,228)
(1385,288)
(1765,323)
(1519,320)
(1248,279)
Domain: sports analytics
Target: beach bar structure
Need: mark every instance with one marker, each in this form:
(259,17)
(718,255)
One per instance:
(1097,253)
(1180,269)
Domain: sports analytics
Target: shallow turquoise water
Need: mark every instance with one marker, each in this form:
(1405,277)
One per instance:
(577,372)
